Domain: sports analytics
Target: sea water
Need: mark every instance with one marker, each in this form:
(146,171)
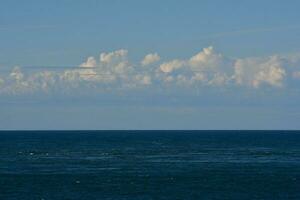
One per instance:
(144,165)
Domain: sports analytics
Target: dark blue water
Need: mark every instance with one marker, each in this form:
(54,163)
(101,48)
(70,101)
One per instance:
(150,165)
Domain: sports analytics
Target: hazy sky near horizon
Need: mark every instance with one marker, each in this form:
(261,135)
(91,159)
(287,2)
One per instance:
(137,64)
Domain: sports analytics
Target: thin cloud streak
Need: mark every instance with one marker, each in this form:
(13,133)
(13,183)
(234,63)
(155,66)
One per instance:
(26,27)
(249,31)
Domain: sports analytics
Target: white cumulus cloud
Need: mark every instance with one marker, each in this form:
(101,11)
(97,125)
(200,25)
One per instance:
(168,67)
(114,71)
(150,58)
(91,62)
(206,60)
(256,71)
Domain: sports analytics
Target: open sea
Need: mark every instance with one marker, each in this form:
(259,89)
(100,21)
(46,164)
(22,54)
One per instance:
(146,165)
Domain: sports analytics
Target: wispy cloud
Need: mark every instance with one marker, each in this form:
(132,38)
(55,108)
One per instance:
(26,27)
(249,31)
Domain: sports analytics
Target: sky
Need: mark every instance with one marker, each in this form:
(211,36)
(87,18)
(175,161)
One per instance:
(137,64)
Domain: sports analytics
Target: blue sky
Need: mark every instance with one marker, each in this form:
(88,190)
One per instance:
(112,64)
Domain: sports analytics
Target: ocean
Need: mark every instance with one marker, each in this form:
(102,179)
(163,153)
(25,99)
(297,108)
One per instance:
(146,165)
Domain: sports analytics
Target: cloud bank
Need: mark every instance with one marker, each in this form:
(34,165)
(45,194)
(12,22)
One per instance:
(114,71)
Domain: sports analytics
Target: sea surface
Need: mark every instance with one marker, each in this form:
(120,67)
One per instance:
(145,165)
